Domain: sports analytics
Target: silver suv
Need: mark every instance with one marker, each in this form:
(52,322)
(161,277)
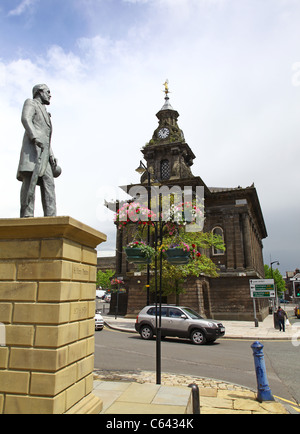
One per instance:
(179,321)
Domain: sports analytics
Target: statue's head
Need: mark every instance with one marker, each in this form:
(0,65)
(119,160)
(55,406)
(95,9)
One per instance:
(42,92)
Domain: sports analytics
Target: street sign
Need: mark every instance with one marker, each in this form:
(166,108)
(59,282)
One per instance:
(260,294)
(262,288)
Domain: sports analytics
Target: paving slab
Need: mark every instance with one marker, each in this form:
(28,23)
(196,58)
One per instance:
(135,398)
(129,408)
(143,396)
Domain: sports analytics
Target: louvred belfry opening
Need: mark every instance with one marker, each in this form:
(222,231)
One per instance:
(165,170)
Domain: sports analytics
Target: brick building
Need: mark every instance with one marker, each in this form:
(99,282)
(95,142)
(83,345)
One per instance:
(292,284)
(233,213)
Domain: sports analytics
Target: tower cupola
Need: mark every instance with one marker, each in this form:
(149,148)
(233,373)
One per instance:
(168,156)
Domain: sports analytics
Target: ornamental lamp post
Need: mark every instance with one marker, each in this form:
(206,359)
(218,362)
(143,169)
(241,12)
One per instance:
(158,236)
(117,281)
(141,170)
(276,294)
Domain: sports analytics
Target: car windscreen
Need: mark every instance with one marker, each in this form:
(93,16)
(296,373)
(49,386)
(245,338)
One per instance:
(191,313)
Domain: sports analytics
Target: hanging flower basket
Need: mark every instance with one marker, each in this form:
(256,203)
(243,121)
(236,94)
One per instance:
(116,282)
(134,212)
(178,254)
(138,252)
(183,214)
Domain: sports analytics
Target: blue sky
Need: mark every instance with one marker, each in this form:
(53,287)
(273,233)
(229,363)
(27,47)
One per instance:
(234,73)
(34,25)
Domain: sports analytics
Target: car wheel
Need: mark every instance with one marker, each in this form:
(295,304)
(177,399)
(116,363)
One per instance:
(146,332)
(198,337)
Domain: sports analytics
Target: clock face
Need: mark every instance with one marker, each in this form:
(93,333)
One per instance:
(163,133)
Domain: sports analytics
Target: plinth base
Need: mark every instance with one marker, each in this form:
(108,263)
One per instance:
(91,404)
(47,306)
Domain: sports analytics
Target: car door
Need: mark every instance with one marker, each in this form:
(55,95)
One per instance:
(176,324)
(164,319)
(152,316)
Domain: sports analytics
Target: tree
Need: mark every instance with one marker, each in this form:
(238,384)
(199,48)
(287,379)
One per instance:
(278,279)
(174,276)
(104,278)
(173,226)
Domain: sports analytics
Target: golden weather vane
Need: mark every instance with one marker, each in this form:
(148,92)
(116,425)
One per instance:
(166,84)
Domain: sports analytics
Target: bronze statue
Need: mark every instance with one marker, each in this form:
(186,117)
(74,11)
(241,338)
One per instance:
(37,164)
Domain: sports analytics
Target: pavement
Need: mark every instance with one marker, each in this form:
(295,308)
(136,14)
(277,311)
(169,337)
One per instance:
(136,392)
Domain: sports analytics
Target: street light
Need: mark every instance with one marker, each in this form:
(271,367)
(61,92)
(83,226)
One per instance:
(142,169)
(274,262)
(277,263)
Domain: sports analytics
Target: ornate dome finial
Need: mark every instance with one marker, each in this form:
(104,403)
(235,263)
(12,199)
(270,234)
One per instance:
(166,84)
(167,105)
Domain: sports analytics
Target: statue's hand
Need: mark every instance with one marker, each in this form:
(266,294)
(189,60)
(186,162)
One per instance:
(53,161)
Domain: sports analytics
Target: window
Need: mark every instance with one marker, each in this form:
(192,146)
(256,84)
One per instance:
(165,170)
(175,313)
(192,313)
(152,311)
(218,231)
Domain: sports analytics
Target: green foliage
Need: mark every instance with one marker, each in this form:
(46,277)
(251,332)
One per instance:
(104,278)
(278,279)
(174,231)
(204,240)
(148,251)
(174,276)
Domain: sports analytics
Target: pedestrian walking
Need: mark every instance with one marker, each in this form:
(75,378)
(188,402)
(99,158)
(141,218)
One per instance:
(281,315)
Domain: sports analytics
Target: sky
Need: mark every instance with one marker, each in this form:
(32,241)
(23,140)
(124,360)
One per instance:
(234,74)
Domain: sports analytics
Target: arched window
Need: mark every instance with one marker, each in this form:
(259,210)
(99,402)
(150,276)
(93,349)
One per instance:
(218,231)
(165,170)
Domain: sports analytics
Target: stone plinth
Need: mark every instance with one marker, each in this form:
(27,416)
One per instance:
(47,306)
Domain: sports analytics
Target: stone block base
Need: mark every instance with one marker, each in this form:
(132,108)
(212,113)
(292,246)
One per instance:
(89,405)
(47,309)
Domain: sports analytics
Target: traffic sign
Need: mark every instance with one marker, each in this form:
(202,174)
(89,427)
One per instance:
(260,294)
(262,288)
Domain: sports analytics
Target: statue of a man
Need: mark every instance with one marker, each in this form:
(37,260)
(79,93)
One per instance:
(37,164)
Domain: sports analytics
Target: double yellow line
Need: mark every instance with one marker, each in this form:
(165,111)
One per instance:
(292,404)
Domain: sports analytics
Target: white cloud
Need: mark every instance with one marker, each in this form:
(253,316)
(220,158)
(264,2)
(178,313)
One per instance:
(24,6)
(231,82)
(63,64)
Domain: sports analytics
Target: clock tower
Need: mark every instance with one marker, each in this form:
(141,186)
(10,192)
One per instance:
(169,158)
(232,213)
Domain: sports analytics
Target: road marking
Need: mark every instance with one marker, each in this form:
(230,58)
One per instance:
(291,403)
(117,331)
(286,400)
(283,340)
